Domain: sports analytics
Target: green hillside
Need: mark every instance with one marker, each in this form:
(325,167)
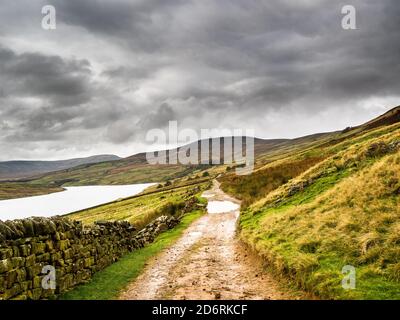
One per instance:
(12,190)
(327,206)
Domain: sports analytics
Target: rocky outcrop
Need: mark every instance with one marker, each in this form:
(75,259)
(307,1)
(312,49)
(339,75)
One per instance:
(29,248)
(378,149)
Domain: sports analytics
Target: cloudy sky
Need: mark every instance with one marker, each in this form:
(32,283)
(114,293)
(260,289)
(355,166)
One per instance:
(112,70)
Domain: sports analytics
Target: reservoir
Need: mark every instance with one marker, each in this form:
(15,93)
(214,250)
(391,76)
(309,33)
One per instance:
(71,200)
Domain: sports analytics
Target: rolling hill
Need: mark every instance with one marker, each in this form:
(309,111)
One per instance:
(10,170)
(111,170)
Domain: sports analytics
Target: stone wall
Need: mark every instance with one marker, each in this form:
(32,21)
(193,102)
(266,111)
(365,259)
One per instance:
(76,252)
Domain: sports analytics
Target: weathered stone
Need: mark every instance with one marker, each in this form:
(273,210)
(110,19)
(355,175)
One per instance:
(43,257)
(68,254)
(55,257)
(16,252)
(30,273)
(29,230)
(6,253)
(11,277)
(57,236)
(17,262)
(33,271)
(30,260)
(5,265)
(35,294)
(49,245)
(25,250)
(15,231)
(2,283)
(60,263)
(21,275)
(12,292)
(5,230)
(37,282)
(38,248)
(89,262)
(26,285)
(43,226)
(62,245)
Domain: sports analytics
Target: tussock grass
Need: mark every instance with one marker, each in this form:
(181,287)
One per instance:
(264,180)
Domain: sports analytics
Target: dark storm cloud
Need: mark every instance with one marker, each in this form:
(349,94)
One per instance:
(158,118)
(125,128)
(119,68)
(37,75)
(128,22)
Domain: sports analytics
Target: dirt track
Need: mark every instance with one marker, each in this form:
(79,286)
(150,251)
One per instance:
(207,262)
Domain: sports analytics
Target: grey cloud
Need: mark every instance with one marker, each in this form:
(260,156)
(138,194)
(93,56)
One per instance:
(158,118)
(203,63)
(125,129)
(127,22)
(50,77)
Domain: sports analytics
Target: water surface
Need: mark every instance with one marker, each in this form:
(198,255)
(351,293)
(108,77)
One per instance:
(71,200)
(221,206)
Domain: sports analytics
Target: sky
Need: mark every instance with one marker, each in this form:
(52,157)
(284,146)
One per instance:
(113,70)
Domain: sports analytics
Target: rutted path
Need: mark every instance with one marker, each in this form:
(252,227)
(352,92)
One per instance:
(207,262)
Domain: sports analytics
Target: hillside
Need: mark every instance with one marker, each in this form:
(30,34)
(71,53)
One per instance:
(133,169)
(11,170)
(336,203)
(136,169)
(13,190)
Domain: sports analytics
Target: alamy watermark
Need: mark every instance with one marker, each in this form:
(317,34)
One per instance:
(49,280)
(49,21)
(349,20)
(349,279)
(237,145)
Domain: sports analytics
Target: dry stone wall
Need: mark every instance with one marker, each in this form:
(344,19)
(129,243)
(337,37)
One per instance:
(31,248)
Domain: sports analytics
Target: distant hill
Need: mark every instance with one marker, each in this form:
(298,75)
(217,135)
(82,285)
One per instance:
(136,169)
(261,146)
(10,170)
(390,117)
